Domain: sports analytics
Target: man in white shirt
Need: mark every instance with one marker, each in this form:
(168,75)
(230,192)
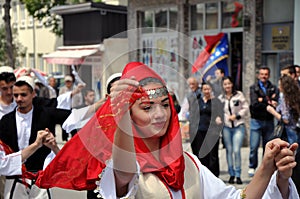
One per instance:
(25,130)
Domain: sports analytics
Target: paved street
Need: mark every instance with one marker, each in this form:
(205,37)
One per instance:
(66,194)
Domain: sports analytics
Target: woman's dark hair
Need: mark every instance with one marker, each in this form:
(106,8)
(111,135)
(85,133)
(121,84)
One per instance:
(291,93)
(148,80)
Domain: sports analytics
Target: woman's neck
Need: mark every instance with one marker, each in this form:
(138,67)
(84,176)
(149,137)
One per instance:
(206,98)
(228,94)
(153,146)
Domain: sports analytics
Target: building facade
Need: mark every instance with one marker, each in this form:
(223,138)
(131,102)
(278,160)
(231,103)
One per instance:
(172,36)
(34,36)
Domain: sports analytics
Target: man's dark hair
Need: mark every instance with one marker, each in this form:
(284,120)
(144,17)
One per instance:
(109,85)
(291,68)
(221,70)
(23,83)
(7,77)
(265,68)
(86,92)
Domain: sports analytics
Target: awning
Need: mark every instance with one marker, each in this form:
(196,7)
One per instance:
(72,55)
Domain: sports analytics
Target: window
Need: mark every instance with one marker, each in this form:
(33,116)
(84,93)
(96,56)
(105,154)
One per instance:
(232,14)
(159,20)
(147,21)
(197,16)
(211,15)
(173,18)
(41,62)
(15,12)
(31,60)
(22,16)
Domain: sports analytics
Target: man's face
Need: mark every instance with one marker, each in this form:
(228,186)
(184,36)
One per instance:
(193,84)
(286,72)
(218,74)
(263,75)
(68,84)
(298,71)
(90,98)
(23,97)
(6,90)
(52,82)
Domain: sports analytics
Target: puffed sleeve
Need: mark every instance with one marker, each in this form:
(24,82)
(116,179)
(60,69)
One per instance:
(107,181)
(11,164)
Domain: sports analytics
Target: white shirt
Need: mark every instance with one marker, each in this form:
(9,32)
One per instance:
(23,128)
(211,187)
(4,109)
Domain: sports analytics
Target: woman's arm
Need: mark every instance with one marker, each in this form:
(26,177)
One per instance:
(123,152)
(277,156)
(124,157)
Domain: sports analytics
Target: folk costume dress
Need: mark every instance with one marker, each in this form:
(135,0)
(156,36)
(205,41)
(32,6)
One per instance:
(85,162)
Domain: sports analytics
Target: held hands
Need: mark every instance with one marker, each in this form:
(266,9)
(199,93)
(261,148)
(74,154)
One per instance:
(45,137)
(279,156)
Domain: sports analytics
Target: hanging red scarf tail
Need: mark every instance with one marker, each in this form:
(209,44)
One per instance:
(78,165)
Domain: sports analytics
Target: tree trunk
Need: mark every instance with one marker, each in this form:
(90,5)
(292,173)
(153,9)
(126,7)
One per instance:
(8,34)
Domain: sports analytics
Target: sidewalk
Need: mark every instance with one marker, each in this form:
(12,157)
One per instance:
(223,164)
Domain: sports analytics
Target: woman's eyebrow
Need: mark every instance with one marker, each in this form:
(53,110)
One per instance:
(151,102)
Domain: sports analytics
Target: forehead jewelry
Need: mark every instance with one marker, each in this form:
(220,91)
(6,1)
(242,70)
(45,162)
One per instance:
(157,92)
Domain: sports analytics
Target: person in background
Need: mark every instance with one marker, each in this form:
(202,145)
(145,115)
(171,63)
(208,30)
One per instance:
(53,93)
(190,108)
(137,151)
(216,83)
(18,130)
(7,104)
(290,70)
(288,109)
(89,98)
(235,110)
(207,137)
(77,99)
(262,94)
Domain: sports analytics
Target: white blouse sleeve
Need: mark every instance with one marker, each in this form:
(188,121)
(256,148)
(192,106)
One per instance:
(107,183)
(64,101)
(210,182)
(11,164)
(75,119)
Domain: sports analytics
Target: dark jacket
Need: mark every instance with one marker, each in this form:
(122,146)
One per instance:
(258,109)
(296,173)
(42,117)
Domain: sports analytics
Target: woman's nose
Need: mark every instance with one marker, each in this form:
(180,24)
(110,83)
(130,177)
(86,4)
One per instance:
(159,111)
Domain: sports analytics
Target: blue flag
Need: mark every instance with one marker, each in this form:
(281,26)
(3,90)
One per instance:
(218,58)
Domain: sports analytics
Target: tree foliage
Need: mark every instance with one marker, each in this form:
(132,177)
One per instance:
(40,10)
(18,49)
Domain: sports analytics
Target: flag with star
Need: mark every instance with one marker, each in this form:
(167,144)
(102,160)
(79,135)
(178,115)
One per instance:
(216,57)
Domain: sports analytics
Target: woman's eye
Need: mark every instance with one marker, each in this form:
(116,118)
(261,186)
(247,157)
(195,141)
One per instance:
(146,108)
(166,105)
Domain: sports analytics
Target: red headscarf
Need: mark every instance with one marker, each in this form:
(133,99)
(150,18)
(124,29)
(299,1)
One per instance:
(82,159)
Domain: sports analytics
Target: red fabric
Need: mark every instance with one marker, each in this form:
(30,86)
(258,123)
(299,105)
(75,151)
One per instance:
(82,159)
(238,8)
(211,41)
